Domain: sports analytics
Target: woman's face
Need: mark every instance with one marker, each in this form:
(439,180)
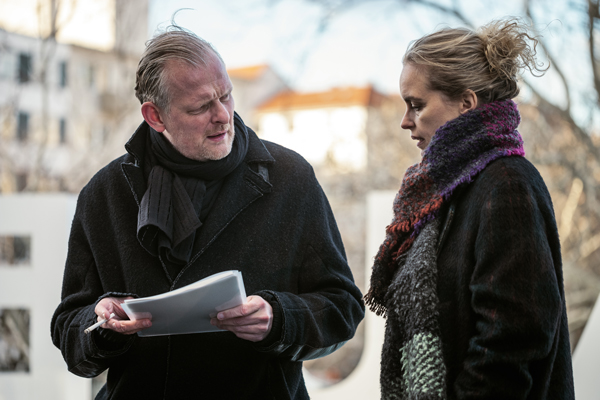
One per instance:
(426,110)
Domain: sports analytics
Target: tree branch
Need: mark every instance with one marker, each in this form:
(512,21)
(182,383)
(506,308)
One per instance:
(448,10)
(593,14)
(549,56)
(566,116)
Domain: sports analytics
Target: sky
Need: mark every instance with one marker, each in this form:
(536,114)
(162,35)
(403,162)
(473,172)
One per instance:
(360,45)
(314,48)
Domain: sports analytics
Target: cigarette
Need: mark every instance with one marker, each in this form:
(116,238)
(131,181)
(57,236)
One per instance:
(97,324)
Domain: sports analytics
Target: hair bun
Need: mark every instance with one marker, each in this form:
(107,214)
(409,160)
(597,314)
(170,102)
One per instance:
(486,61)
(508,50)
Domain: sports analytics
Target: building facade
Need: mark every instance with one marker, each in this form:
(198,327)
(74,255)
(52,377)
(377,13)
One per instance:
(65,108)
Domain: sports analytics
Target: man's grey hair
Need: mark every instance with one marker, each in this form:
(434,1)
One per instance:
(175,43)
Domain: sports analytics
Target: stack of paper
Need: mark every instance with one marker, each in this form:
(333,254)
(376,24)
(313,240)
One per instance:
(189,309)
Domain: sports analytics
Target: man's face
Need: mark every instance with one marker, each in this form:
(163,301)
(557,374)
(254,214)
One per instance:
(199,123)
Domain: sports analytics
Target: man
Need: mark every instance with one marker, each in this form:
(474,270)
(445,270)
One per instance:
(198,193)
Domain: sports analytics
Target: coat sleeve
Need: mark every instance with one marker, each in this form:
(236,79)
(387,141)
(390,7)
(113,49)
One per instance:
(85,355)
(325,312)
(516,295)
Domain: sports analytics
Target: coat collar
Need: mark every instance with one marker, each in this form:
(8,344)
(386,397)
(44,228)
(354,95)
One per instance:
(136,147)
(247,183)
(132,166)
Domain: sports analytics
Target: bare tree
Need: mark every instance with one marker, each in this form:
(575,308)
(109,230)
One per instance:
(46,12)
(564,146)
(96,97)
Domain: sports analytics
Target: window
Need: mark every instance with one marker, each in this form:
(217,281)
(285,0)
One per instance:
(105,133)
(24,73)
(8,64)
(62,70)
(91,76)
(15,250)
(21,181)
(14,340)
(22,126)
(62,131)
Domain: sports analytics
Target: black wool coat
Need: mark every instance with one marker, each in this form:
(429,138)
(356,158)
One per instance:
(274,224)
(502,307)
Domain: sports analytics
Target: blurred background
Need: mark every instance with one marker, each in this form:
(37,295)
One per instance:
(318,76)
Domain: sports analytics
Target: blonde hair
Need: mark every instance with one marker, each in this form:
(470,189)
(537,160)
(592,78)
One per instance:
(176,43)
(487,61)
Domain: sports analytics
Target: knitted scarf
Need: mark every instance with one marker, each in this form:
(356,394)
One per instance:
(404,276)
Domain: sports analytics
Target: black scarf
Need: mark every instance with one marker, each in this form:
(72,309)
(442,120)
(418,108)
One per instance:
(179,195)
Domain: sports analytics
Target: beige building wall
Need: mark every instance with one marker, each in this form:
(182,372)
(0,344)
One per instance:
(34,286)
(334,134)
(78,103)
(89,23)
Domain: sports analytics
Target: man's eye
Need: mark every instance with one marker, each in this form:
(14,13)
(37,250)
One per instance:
(226,97)
(200,110)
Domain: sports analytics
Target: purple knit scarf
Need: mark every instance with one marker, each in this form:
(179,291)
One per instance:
(458,151)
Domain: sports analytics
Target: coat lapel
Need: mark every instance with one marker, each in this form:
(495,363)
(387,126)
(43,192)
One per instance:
(133,171)
(248,182)
(241,188)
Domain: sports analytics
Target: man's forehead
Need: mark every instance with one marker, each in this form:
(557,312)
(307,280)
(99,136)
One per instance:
(204,65)
(197,84)
(181,72)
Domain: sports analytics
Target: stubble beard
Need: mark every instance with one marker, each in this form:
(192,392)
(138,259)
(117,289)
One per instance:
(215,154)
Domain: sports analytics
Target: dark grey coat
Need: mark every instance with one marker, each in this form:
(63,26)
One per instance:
(502,308)
(275,227)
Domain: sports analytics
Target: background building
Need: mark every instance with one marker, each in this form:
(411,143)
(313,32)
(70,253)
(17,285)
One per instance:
(252,86)
(65,108)
(67,71)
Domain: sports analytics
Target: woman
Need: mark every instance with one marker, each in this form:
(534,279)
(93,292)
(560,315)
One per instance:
(469,276)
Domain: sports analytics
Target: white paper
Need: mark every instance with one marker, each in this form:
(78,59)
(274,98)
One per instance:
(189,309)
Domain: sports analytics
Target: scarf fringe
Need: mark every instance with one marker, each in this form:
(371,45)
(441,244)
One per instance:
(376,307)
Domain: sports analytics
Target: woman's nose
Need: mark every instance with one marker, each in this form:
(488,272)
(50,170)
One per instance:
(407,122)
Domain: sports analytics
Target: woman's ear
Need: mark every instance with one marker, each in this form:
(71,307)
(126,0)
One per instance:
(151,114)
(468,101)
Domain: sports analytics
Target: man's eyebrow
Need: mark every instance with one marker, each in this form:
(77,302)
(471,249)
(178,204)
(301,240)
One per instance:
(205,97)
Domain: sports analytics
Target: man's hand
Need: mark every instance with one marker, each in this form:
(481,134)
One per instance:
(251,321)
(120,322)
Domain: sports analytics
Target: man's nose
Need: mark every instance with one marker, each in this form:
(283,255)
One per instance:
(221,114)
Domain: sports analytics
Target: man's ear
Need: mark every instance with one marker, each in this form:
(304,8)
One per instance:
(468,101)
(151,114)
